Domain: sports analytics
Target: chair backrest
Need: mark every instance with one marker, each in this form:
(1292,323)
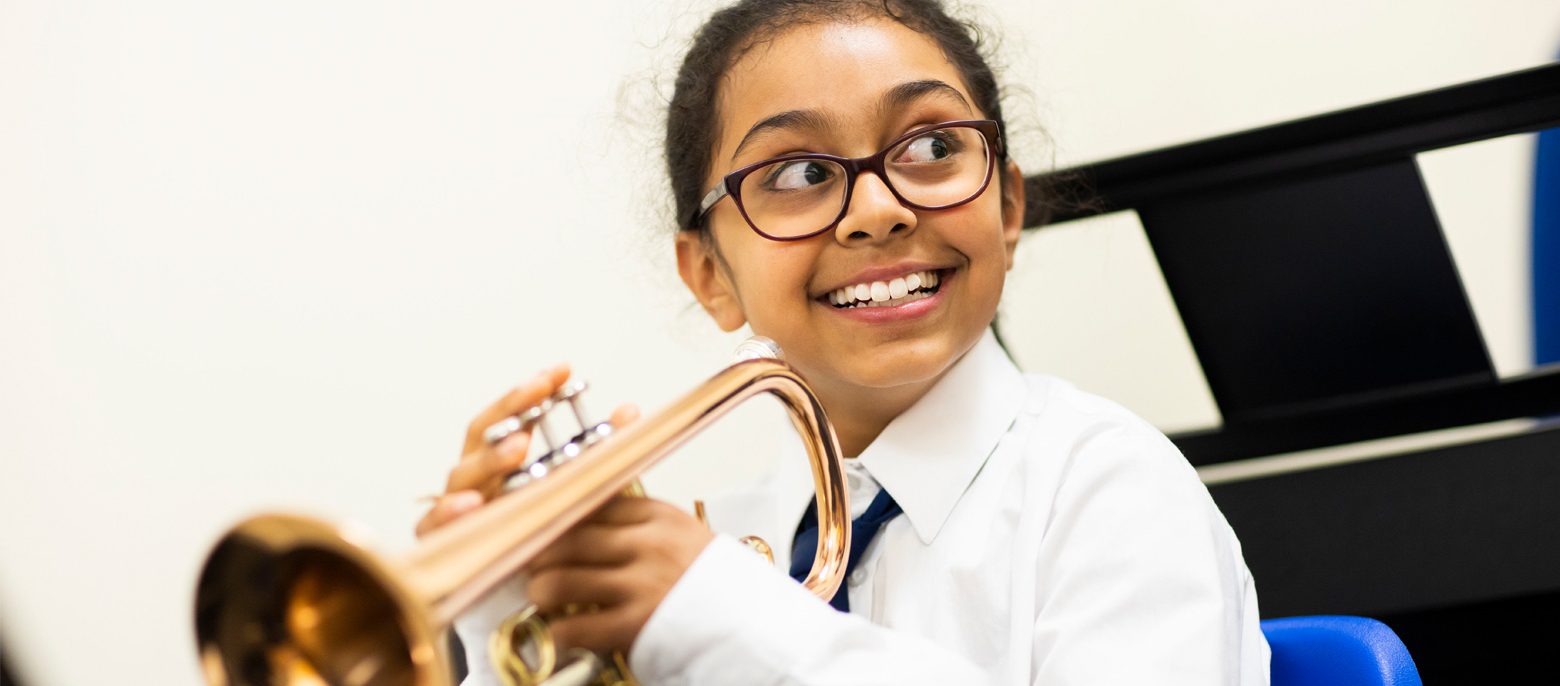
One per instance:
(1337,651)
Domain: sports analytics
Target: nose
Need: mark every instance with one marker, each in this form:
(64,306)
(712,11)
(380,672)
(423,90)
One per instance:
(874,214)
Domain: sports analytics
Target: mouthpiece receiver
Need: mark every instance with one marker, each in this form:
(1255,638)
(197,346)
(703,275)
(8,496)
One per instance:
(757,348)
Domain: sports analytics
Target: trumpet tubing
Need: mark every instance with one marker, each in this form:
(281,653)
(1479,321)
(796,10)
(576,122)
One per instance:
(285,599)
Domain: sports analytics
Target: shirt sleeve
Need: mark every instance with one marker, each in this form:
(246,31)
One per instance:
(1139,578)
(732,619)
(478,624)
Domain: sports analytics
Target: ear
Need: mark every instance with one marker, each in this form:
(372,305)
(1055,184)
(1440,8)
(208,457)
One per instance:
(706,275)
(1012,207)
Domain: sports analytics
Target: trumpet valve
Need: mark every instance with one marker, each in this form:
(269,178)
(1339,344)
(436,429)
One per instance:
(582,435)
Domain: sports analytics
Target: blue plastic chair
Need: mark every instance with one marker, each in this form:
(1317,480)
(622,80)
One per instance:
(1337,651)
(1546,248)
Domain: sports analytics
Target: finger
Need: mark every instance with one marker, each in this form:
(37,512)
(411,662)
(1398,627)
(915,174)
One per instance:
(625,510)
(448,508)
(506,456)
(624,415)
(559,587)
(485,468)
(604,631)
(525,395)
(588,545)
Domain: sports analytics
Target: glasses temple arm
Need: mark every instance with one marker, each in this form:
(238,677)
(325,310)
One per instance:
(710,198)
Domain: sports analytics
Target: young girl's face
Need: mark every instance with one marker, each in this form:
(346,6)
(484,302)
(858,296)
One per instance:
(856,87)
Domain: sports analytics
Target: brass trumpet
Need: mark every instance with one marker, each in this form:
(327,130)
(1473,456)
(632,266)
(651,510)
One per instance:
(285,599)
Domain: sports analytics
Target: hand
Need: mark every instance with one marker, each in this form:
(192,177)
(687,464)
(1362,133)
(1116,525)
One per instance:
(480,474)
(620,563)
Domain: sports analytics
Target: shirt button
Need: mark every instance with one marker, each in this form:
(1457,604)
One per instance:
(857,577)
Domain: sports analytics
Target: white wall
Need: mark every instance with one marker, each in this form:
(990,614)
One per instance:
(276,254)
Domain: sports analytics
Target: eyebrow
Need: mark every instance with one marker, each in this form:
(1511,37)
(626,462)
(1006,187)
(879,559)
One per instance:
(902,95)
(793,119)
(897,97)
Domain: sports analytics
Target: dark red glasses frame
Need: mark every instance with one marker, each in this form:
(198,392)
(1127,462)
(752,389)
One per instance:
(731,184)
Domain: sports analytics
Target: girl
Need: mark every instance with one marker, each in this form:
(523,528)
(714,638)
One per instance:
(841,177)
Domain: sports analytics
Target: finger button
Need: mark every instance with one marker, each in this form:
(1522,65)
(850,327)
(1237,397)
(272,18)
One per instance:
(501,430)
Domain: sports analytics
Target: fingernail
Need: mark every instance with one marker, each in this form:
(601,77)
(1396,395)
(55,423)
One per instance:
(462,501)
(514,446)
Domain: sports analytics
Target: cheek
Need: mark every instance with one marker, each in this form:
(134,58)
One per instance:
(777,293)
(772,281)
(976,232)
(978,236)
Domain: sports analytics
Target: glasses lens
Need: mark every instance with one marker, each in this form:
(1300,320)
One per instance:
(940,167)
(792,198)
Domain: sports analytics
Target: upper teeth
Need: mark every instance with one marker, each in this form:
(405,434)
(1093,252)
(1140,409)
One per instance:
(883,291)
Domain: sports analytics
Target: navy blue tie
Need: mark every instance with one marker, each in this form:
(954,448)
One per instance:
(862,531)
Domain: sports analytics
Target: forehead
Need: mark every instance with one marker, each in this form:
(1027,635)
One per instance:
(838,69)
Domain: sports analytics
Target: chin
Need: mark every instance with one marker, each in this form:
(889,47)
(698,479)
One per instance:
(905,365)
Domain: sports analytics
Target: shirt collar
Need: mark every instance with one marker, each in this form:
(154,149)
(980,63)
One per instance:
(927,456)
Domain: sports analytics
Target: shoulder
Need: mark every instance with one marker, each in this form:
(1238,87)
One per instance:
(1063,402)
(1105,460)
(1096,433)
(1132,550)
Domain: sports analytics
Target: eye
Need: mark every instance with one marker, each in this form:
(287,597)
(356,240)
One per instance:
(796,175)
(929,147)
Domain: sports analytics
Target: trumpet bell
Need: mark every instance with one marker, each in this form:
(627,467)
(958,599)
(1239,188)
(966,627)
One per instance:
(286,599)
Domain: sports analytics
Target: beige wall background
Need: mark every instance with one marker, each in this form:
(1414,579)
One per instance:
(261,255)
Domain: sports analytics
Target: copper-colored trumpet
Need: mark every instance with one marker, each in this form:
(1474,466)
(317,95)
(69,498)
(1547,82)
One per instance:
(285,599)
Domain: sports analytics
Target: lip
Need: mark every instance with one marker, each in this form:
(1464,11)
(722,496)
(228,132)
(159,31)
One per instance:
(885,273)
(897,313)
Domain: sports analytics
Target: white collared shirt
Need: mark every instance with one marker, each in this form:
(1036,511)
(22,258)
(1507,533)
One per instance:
(1048,537)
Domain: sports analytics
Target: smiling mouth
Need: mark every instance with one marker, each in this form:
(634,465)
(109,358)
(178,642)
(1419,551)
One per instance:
(891,293)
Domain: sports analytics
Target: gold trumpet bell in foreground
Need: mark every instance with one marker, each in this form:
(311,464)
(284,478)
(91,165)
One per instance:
(285,599)
(291,600)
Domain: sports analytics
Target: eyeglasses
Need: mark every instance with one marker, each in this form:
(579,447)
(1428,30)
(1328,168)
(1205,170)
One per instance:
(793,197)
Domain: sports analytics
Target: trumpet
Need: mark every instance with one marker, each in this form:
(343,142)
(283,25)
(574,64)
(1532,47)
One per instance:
(287,599)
